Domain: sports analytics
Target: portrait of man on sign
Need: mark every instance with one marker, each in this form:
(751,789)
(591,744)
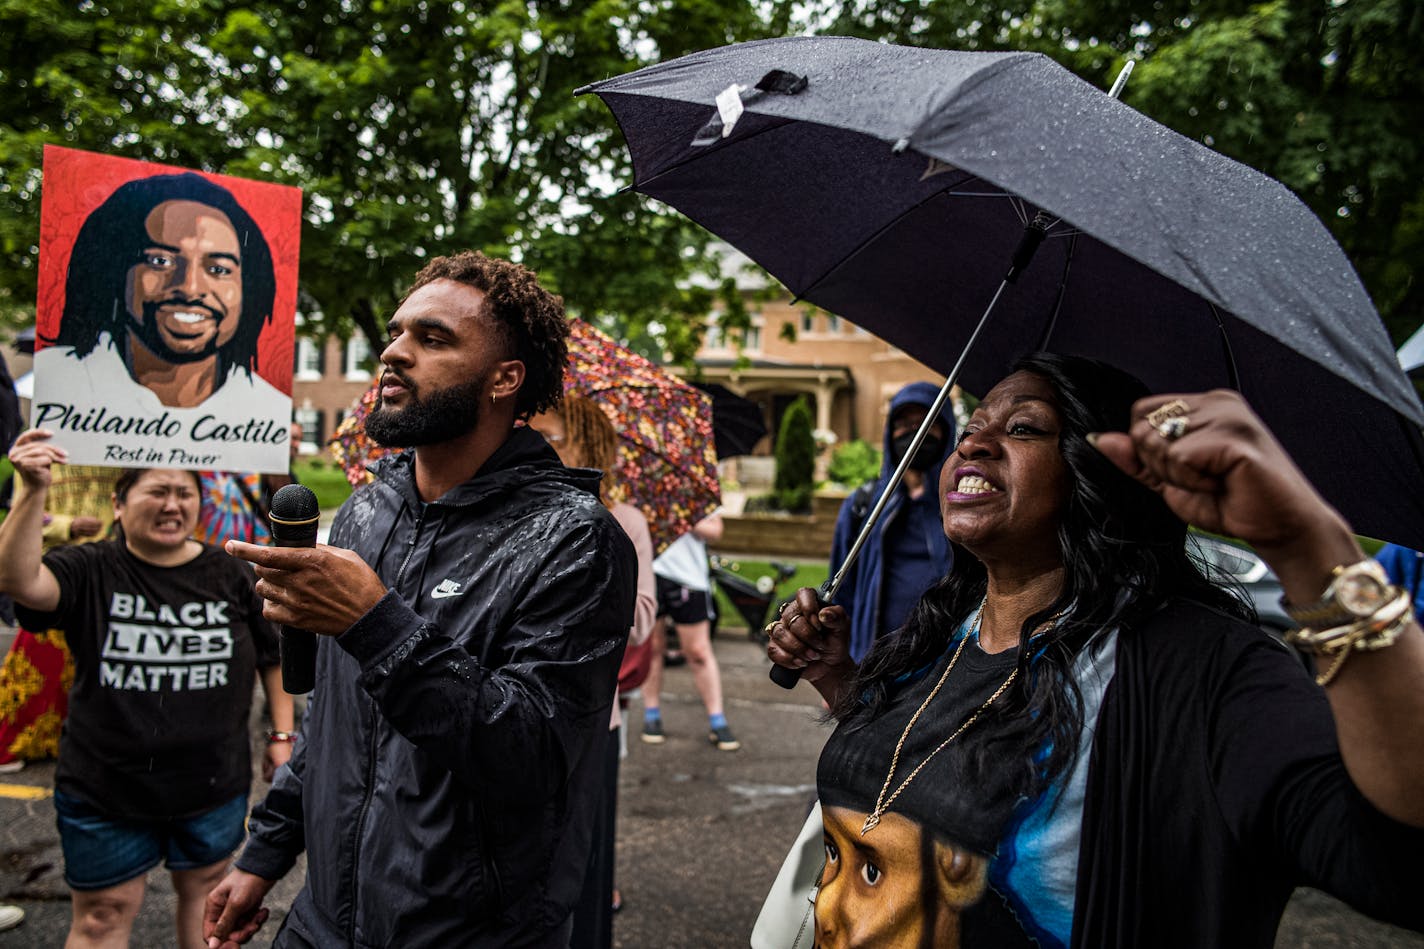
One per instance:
(176,279)
(166,311)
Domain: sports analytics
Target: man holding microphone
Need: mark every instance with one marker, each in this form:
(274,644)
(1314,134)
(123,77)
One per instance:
(472,607)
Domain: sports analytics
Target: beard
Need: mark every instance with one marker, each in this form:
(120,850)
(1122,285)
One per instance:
(146,331)
(441,416)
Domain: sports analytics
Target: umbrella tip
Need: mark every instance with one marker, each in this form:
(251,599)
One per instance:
(1121,80)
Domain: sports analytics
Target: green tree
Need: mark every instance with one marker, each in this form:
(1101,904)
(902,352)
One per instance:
(415,128)
(1325,96)
(795,458)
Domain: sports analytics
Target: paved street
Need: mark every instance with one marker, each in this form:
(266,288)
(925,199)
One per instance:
(701,832)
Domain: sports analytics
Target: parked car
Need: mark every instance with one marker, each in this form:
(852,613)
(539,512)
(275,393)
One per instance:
(1245,574)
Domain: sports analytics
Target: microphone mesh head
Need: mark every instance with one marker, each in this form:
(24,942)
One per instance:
(295,502)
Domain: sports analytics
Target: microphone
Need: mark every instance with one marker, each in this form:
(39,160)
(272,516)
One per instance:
(293,518)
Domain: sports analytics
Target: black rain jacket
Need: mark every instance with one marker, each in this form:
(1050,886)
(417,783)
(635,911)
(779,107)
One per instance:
(445,782)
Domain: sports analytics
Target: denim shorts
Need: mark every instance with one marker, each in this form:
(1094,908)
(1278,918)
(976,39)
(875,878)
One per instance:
(101,851)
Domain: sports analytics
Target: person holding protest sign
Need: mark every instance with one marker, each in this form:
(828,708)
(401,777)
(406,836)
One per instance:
(167,637)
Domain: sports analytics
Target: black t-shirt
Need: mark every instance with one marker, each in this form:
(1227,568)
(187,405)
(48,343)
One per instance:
(164,659)
(924,874)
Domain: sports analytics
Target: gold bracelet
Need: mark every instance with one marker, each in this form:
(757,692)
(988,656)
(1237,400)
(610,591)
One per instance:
(1378,631)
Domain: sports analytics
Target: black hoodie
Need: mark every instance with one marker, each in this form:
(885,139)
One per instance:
(445,783)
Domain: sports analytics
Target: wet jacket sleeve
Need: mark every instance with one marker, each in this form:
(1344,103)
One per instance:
(545,706)
(276,835)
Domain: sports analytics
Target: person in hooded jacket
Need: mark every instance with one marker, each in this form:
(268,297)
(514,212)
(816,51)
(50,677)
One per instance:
(906,551)
(472,610)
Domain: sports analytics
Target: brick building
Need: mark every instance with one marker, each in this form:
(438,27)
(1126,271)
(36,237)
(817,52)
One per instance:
(330,376)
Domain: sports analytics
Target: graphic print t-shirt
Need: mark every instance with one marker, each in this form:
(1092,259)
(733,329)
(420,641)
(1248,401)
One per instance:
(165,659)
(956,860)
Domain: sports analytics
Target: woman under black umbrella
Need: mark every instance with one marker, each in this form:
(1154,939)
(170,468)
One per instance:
(1079,740)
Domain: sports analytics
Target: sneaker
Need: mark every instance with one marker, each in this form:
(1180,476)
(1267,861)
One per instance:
(10,917)
(722,737)
(13,765)
(653,731)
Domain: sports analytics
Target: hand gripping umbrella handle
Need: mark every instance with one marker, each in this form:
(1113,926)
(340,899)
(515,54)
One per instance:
(783,675)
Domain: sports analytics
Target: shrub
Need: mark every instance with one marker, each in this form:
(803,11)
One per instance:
(761,504)
(855,463)
(795,458)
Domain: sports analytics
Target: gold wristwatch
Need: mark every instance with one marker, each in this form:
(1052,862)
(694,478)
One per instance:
(1356,592)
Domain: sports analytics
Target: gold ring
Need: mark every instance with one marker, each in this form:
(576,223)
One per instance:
(1168,410)
(769,627)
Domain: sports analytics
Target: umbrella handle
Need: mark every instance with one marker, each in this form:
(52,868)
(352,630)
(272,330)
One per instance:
(787,677)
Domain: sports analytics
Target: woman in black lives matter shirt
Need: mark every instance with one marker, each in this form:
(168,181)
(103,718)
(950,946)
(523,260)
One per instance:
(167,636)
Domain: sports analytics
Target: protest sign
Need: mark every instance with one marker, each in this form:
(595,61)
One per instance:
(165,314)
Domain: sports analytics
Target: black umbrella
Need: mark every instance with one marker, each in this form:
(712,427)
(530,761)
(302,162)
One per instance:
(891,185)
(737,423)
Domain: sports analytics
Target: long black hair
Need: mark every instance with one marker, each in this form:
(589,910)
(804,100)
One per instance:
(1123,553)
(112,240)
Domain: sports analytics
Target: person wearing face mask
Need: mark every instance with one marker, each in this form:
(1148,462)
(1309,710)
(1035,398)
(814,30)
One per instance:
(907,551)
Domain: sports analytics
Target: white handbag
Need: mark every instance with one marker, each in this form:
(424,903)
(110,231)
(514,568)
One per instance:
(785,921)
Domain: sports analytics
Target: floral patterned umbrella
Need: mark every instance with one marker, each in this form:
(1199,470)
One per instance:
(349,445)
(667,463)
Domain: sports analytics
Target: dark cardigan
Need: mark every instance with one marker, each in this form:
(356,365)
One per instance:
(1215,788)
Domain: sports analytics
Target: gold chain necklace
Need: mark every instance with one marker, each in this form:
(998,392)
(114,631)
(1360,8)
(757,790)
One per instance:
(882,802)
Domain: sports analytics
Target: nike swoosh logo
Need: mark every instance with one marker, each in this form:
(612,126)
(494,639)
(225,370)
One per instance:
(447,588)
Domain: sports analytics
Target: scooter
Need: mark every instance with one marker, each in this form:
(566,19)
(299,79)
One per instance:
(753,599)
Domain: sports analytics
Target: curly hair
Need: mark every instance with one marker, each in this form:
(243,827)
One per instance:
(111,241)
(594,441)
(530,318)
